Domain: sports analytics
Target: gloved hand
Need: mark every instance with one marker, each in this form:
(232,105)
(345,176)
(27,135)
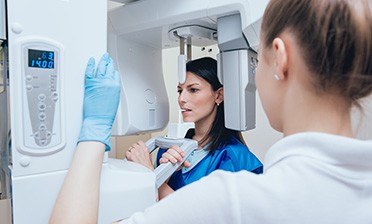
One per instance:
(101,99)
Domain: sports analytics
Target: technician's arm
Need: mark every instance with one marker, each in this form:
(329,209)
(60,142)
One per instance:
(78,200)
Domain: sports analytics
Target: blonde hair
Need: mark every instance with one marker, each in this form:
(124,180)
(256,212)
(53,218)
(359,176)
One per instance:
(336,41)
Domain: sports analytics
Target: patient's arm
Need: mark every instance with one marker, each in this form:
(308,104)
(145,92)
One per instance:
(173,155)
(139,153)
(164,190)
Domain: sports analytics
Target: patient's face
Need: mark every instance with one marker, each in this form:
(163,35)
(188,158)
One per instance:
(197,100)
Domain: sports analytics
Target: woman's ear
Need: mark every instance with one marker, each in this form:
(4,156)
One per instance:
(219,96)
(281,58)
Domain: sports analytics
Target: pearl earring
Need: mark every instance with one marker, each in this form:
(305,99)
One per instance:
(277,77)
(218,104)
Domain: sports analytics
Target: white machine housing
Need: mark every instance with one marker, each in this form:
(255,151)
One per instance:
(50,42)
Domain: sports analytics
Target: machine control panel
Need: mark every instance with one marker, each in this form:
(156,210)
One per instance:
(41,95)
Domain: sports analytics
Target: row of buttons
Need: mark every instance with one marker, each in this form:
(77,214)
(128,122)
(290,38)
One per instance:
(52,87)
(47,135)
(42,135)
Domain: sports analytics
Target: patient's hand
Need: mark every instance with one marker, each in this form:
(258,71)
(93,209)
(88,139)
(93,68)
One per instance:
(174,155)
(139,153)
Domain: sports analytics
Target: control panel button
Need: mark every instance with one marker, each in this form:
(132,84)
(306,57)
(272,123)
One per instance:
(29,87)
(43,141)
(37,135)
(42,116)
(48,134)
(41,97)
(54,96)
(29,78)
(41,106)
(42,127)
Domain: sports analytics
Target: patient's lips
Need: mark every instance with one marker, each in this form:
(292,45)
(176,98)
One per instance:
(185,111)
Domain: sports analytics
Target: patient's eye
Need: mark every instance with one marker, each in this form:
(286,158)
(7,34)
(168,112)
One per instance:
(194,90)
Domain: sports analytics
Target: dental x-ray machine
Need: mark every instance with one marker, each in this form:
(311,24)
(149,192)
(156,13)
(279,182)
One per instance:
(45,47)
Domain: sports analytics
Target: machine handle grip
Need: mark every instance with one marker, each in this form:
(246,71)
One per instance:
(165,170)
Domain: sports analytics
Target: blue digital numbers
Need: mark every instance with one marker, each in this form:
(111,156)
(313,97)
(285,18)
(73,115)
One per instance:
(40,59)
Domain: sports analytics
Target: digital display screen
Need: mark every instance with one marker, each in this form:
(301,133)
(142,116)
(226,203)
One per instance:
(40,59)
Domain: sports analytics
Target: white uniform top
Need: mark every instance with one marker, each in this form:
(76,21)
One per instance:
(308,178)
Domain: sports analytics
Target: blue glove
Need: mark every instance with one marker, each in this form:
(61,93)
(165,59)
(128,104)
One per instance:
(101,99)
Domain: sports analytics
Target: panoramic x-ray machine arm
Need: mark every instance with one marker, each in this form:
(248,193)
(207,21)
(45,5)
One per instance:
(138,32)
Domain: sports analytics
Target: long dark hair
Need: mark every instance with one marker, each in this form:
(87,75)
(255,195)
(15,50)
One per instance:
(218,135)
